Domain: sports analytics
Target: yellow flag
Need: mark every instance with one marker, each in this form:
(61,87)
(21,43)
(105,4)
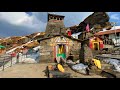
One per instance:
(60,68)
(97,63)
(59,50)
(62,49)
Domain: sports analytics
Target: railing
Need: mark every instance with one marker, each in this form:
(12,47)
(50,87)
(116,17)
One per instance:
(108,42)
(4,60)
(9,60)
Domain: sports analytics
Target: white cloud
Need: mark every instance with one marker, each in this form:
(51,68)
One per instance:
(22,19)
(19,23)
(115,16)
(31,21)
(12,17)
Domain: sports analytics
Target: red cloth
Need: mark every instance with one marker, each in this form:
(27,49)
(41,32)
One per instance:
(13,54)
(101,45)
(91,45)
(87,28)
(69,33)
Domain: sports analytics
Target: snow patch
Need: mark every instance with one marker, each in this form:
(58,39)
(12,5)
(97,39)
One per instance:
(115,63)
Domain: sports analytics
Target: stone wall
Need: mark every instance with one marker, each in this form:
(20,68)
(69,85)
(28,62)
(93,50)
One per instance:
(53,28)
(47,49)
(75,49)
(86,54)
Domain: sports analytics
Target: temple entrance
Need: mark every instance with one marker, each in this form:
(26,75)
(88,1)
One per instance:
(61,51)
(96,46)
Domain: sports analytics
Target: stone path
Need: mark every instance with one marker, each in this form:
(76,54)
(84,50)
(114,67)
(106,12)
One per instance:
(36,71)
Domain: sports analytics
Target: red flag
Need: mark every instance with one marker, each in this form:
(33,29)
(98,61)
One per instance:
(69,33)
(87,28)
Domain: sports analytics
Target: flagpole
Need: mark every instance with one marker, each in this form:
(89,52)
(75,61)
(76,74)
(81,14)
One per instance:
(113,23)
(115,33)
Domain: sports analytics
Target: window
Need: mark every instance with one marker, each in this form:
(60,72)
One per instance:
(117,34)
(106,35)
(51,17)
(58,19)
(61,38)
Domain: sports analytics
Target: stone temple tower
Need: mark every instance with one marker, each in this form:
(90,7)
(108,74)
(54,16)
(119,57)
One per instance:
(55,24)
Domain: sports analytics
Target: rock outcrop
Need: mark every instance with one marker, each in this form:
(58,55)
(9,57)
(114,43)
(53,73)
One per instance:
(97,20)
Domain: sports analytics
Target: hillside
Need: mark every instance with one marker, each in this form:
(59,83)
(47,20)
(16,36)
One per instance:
(14,41)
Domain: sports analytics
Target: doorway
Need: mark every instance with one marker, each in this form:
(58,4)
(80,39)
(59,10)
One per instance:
(61,51)
(96,46)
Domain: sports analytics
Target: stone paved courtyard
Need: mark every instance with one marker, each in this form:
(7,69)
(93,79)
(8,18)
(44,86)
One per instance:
(35,71)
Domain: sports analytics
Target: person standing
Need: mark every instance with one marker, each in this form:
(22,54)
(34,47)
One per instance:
(18,57)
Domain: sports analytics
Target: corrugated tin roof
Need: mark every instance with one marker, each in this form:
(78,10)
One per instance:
(108,32)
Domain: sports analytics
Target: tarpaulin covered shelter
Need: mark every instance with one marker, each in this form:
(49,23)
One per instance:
(2,47)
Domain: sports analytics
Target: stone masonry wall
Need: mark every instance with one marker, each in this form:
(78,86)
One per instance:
(46,51)
(75,49)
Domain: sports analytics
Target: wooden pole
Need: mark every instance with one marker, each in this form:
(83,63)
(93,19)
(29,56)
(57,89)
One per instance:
(115,33)
(11,60)
(3,63)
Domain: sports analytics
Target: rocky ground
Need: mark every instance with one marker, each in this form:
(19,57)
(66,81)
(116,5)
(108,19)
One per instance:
(36,71)
(78,75)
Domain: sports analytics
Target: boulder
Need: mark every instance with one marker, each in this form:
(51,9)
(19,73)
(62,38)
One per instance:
(98,20)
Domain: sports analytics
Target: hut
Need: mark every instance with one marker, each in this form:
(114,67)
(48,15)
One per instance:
(96,43)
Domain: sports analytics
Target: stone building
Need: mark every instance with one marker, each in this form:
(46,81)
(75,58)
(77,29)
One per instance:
(55,46)
(110,37)
(56,41)
(55,25)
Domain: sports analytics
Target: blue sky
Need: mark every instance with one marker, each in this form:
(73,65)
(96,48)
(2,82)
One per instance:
(24,23)
(115,17)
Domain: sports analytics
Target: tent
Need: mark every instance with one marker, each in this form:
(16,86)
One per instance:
(2,47)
